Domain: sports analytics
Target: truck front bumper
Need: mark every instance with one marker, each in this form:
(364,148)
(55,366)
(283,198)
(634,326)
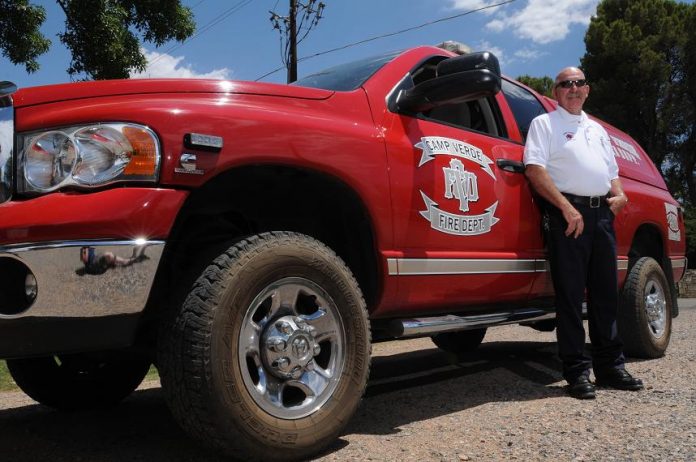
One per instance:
(77,279)
(76,270)
(74,296)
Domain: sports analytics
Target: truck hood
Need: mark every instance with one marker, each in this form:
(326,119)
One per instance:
(70,91)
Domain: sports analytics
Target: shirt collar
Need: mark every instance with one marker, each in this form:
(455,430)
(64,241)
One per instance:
(568,117)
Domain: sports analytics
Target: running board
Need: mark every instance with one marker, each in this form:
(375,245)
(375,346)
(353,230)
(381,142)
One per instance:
(425,327)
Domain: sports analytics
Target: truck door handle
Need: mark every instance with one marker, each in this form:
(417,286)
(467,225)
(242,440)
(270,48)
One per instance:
(510,165)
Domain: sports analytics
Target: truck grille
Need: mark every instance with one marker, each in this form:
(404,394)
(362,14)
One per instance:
(6,139)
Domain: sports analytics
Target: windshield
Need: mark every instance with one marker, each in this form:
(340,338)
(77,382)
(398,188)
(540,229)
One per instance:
(346,77)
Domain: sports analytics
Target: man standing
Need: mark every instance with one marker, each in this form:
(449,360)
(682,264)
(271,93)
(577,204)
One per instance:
(569,162)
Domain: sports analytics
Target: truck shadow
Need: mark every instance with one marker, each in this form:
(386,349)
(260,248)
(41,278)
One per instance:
(403,389)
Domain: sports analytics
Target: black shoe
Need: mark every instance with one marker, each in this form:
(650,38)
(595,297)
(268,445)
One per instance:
(619,379)
(581,388)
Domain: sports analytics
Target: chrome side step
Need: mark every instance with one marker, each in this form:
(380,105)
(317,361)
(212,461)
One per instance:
(425,327)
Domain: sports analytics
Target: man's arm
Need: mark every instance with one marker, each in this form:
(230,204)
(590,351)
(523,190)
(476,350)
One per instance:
(544,186)
(618,199)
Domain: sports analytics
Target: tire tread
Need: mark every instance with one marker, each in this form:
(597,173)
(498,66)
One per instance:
(186,338)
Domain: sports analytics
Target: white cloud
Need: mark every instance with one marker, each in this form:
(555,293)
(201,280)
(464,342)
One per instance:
(470,5)
(541,21)
(162,65)
(487,46)
(528,54)
(496,25)
(544,21)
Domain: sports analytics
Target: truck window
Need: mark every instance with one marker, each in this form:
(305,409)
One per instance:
(479,115)
(523,104)
(346,77)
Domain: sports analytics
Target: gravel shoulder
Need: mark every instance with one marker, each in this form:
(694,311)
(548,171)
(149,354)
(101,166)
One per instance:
(505,402)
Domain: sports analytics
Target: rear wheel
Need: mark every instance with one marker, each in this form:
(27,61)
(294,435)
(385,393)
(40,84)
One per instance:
(459,342)
(269,356)
(79,381)
(645,315)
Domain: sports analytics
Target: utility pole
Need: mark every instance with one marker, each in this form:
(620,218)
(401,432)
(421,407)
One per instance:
(293,30)
(292,58)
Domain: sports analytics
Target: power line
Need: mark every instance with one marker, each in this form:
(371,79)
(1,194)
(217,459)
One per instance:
(221,17)
(301,19)
(391,34)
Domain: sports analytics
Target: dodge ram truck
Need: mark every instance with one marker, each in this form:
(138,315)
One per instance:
(252,240)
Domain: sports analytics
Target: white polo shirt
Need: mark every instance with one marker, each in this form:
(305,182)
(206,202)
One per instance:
(574,150)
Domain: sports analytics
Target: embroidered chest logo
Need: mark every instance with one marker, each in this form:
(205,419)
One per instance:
(460,184)
(569,136)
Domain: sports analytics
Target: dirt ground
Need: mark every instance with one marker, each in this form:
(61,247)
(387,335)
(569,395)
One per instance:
(505,402)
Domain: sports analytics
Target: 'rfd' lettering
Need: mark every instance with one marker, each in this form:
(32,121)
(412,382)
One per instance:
(460,184)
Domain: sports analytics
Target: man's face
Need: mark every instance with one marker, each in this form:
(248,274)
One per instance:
(568,93)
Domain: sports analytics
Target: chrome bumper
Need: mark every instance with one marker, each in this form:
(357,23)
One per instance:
(6,139)
(86,279)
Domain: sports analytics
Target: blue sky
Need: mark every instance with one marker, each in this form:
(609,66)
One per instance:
(237,41)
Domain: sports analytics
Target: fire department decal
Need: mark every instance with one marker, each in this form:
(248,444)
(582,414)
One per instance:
(460,185)
(624,150)
(673,232)
(436,145)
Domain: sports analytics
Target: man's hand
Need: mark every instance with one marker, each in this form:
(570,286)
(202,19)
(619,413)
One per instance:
(574,220)
(542,183)
(616,203)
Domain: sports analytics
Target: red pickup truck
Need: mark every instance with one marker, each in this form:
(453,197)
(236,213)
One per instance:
(252,240)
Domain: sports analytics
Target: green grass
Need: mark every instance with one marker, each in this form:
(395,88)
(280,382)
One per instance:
(152,374)
(6,382)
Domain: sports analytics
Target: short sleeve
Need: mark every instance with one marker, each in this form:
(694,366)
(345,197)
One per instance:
(536,149)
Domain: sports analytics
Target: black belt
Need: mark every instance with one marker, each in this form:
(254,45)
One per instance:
(593,202)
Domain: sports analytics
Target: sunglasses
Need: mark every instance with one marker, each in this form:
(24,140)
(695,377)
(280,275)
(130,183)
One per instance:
(569,83)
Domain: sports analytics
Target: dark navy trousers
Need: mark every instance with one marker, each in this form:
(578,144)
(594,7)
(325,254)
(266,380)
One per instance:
(588,262)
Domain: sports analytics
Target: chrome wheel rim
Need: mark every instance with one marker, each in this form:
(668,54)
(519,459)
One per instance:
(655,308)
(291,348)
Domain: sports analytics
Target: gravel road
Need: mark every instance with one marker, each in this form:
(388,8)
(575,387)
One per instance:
(505,402)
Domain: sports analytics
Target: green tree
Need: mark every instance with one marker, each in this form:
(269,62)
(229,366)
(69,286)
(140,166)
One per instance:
(20,39)
(683,160)
(632,60)
(103,36)
(641,64)
(543,85)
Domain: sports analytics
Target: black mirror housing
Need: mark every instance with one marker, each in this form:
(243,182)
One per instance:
(449,89)
(469,62)
(459,79)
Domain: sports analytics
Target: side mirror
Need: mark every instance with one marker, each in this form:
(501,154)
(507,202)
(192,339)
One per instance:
(469,62)
(459,79)
(449,89)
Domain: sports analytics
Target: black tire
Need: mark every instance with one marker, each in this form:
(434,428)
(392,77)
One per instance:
(79,381)
(645,314)
(459,342)
(222,362)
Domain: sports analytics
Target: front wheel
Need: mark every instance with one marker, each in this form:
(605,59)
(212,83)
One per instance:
(79,381)
(269,355)
(645,314)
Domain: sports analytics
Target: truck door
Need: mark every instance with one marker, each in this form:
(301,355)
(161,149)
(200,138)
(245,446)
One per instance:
(466,229)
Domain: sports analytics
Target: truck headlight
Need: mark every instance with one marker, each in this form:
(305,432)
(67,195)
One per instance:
(87,156)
